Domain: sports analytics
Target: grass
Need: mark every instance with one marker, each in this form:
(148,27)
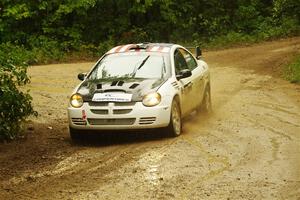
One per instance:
(293,71)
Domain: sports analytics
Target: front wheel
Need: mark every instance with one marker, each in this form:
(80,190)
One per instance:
(76,135)
(175,126)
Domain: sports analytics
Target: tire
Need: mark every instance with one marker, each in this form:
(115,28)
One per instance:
(174,128)
(75,134)
(205,106)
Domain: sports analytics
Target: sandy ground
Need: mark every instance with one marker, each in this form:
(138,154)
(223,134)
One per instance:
(248,148)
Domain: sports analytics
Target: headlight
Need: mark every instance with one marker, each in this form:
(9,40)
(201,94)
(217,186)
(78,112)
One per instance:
(76,100)
(151,99)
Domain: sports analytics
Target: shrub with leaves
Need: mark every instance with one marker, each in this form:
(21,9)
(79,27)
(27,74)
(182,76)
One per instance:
(15,104)
(293,71)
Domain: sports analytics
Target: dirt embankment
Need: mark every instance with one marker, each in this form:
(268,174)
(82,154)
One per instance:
(247,149)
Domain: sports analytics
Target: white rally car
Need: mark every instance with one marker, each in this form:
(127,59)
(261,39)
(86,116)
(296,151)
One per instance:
(140,86)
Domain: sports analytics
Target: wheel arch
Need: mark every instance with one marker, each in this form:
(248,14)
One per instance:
(176,97)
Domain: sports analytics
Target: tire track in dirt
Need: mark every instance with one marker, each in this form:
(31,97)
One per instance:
(212,159)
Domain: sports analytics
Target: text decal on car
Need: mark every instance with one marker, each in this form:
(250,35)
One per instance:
(113,97)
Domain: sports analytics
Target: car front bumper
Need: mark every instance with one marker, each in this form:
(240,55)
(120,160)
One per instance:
(118,116)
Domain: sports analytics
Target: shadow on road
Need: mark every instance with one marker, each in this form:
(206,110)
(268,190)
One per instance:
(108,138)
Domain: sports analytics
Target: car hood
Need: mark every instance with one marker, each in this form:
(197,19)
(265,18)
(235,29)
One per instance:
(137,87)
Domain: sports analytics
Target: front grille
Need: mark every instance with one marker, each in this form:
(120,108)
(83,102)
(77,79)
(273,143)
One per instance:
(97,104)
(124,121)
(125,103)
(99,111)
(147,120)
(115,108)
(78,121)
(121,111)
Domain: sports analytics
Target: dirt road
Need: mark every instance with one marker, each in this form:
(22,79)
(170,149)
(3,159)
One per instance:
(249,148)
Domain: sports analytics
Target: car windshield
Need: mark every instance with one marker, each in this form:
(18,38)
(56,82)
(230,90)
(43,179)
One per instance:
(130,66)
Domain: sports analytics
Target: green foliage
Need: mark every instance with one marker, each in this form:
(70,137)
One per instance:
(53,29)
(293,71)
(15,104)
(45,50)
(265,31)
(230,39)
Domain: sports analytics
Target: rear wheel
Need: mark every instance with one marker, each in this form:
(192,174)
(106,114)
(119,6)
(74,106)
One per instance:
(175,126)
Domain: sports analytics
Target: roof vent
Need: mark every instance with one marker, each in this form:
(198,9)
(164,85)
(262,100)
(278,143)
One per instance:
(143,45)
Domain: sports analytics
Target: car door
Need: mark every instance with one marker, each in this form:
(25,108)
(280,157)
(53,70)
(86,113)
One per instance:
(197,79)
(185,83)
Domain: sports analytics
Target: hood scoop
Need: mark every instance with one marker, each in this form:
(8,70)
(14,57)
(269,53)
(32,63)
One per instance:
(99,86)
(120,83)
(115,90)
(117,83)
(114,83)
(134,85)
(137,87)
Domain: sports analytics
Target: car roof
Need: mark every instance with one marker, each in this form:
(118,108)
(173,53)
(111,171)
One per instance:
(147,47)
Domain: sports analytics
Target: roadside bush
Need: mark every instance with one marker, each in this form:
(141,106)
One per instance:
(104,46)
(293,71)
(269,29)
(45,50)
(15,104)
(135,35)
(266,30)
(230,39)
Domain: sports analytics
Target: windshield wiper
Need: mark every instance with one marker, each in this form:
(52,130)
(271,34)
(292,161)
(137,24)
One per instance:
(140,66)
(164,70)
(144,61)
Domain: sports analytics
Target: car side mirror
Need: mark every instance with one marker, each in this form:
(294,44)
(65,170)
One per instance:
(184,74)
(198,53)
(81,76)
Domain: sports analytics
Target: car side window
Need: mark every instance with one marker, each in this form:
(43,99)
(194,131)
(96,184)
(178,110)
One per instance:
(180,61)
(191,62)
